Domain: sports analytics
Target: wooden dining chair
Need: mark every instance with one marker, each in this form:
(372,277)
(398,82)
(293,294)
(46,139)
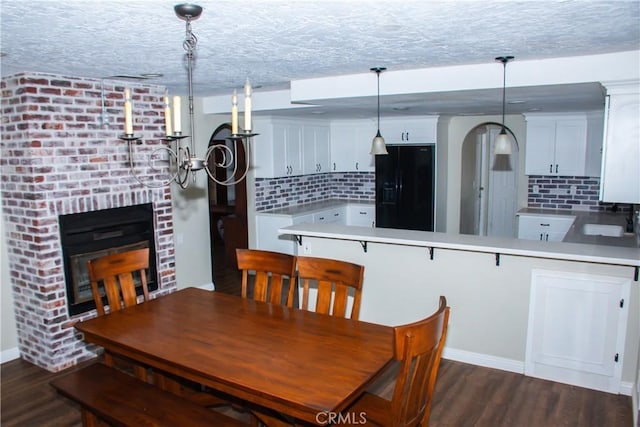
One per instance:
(418,348)
(117,274)
(273,275)
(336,281)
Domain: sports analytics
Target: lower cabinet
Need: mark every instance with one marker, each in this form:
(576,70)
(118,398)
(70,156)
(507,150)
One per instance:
(361,215)
(577,328)
(543,227)
(268,224)
(268,238)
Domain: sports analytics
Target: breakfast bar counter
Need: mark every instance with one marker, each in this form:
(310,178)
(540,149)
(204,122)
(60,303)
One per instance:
(585,252)
(517,305)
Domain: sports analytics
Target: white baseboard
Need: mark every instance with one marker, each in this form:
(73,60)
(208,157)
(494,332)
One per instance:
(510,365)
(208,286)
(485,360)
(626,388)
(9,355)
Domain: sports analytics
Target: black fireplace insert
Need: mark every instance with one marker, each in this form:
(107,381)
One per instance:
(90,235)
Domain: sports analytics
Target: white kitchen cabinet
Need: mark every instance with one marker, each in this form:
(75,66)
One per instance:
(267,236)
(316,148)
(556,145)
(577,328)
(351,144)
(336,215)
(543,227)
(409,130)
(361,215)
(277,150)
(620,181)
(268,224)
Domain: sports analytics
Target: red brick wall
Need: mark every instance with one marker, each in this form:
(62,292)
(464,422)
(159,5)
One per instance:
(57,157)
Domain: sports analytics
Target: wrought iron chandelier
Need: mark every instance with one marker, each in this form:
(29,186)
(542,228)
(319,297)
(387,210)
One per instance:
(183,162)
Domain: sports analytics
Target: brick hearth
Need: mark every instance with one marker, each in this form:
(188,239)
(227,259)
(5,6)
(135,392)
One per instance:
(58,158)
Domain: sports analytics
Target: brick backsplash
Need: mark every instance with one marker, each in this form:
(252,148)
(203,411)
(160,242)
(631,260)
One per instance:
(565,192)
(57,158)
(274,193)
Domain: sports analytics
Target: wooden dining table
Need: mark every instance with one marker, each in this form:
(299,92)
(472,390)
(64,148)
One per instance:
(295,362)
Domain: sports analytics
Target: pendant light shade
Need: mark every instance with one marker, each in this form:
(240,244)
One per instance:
(502,144)
(378,146)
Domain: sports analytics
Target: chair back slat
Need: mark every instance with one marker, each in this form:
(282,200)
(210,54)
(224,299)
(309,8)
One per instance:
(116,273)
(335,281)
(272,273)
(418,346)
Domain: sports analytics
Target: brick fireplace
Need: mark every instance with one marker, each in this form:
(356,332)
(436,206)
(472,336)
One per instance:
(61,155)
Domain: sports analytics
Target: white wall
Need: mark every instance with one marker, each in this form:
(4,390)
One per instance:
(9,336)
(191,210)
(458,129)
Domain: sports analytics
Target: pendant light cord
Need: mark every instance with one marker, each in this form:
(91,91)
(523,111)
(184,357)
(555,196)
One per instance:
(504,60)
(378,74)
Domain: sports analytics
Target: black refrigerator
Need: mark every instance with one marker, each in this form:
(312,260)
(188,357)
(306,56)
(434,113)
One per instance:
(405,187)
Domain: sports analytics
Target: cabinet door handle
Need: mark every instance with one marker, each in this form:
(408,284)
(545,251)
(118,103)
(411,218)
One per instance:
(550,168)
(556,168)
(334,165)
(544,225)
(362,213)
(336,214)
(546,237)
(407,136)
(540,236)
(356,165)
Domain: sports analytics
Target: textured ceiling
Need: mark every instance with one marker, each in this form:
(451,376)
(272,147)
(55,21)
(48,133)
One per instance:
(274,42)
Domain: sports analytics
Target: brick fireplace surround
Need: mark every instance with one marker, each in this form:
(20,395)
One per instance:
(58,158)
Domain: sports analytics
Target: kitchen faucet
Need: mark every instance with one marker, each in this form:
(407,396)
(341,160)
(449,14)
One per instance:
(630,219)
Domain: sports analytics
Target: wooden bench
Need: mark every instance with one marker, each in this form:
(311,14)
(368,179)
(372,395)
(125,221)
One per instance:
(119,399)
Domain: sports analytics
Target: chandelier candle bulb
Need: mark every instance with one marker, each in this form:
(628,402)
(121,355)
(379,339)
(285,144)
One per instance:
(128,118)
(234,113)
(177,119)
(247,106)
(167,117)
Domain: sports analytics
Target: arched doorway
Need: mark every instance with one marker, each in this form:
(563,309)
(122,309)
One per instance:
(227,205)
(488,185)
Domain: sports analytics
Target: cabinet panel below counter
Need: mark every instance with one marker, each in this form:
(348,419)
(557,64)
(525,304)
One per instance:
(331,211)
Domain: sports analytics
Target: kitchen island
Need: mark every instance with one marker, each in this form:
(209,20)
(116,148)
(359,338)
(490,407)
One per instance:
(489,284)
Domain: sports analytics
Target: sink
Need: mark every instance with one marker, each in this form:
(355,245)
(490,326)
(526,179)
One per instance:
(603,230)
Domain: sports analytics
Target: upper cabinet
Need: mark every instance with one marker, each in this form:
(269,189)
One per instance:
(563,144)
(620,181)
(409,130)
(351,144)
(316,149)
(288,147)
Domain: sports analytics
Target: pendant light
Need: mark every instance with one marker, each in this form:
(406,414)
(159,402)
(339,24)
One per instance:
(502,143)
(377,145)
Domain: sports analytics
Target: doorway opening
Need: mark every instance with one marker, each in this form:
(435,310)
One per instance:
(227,206)
(488,189)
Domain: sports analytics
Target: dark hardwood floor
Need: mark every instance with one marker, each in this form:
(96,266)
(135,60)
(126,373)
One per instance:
(226,277)
(465,395)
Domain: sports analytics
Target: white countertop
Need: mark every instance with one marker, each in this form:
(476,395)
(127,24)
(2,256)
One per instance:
(584,252)
(309,208)
(575,235)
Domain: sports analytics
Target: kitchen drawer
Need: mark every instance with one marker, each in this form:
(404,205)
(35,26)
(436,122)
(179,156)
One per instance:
(361,215)
(543,227)
(336,215)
